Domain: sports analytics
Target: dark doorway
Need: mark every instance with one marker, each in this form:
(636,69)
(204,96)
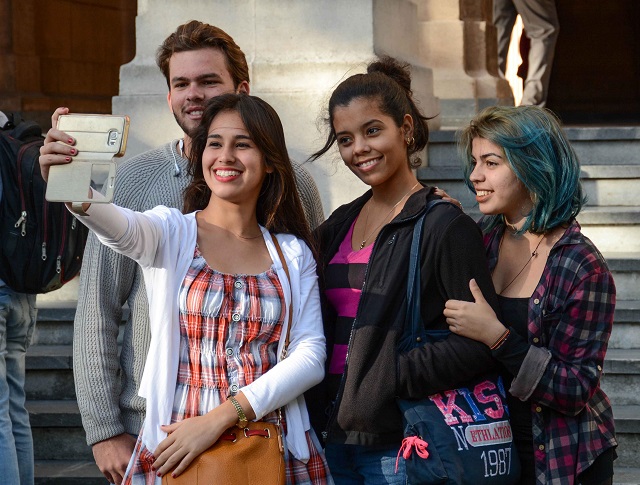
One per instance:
(596,70)
(63,53)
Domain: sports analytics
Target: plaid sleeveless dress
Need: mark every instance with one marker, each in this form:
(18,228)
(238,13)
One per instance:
(230,326)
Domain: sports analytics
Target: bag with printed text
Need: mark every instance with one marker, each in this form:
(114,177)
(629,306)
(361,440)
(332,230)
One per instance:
(459,436)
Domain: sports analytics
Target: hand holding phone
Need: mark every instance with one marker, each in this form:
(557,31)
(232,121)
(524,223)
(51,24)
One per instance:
(98,138)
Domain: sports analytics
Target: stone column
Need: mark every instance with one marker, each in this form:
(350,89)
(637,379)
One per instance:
(458,42)
(297,51)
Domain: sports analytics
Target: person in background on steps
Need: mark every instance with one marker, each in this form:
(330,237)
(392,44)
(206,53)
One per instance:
(17,322)
(199,61)
(541,25)
(555,290)
(220,296)
(378,129)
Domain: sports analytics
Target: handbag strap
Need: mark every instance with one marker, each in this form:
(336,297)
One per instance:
(413,314)
(286,270)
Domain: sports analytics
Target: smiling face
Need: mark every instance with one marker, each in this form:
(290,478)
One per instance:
(233,166)
(194,77)
(370,143)
(498,189)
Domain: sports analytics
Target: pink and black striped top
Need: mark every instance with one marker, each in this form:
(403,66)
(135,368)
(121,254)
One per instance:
(344,279)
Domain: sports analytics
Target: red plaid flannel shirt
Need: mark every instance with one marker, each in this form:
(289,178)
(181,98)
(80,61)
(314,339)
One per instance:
(570,315)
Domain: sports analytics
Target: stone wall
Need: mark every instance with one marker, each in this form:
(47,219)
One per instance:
(297,51)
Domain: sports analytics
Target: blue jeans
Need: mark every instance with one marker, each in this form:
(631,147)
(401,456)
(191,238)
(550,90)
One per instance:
(356,464)
(17,321)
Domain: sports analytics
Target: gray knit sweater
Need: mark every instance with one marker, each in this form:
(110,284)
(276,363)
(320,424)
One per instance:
(106,378)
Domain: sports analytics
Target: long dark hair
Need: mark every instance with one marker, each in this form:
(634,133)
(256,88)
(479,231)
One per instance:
(387,81)
(279,208)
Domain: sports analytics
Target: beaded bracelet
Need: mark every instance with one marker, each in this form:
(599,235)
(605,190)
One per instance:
(498,343)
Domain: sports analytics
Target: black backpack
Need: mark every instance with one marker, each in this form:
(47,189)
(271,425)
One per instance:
(42,243)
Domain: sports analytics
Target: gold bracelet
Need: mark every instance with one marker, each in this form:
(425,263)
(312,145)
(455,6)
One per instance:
(242,418)
(78,208)
(500,340)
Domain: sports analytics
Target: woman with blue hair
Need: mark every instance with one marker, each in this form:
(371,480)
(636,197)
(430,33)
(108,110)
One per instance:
(556,293)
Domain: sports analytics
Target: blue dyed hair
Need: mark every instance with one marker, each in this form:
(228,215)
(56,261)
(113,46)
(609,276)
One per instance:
(540,156)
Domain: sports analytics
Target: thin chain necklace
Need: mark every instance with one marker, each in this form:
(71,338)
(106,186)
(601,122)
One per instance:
(366,220)
(245,237)
(533,255)
(239,236)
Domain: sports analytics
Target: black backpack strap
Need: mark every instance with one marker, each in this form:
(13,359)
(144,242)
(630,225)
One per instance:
(26,129)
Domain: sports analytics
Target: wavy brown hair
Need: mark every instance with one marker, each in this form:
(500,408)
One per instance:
(279,208)
(195,35)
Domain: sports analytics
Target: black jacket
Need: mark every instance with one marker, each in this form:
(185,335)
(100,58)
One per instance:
(452,253)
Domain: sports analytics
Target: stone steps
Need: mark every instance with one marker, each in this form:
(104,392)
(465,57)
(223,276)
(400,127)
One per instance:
(68,472)
(626,476)
(625,268)
(55,322)
(626,327)
(612,229)
(62,455)
(612,145)
(621,376)
(611,217)
(604,185)
(57,431)
(628,435)
(50,372)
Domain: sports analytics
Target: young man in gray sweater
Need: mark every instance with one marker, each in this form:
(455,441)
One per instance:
(199,62)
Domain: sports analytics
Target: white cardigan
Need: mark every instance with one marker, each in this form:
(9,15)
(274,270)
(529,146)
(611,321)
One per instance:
(162,241)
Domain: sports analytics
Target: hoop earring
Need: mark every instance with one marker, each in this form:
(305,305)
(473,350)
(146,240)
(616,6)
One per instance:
(410,141)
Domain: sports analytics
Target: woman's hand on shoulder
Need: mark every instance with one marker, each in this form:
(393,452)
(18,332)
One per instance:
(475,320)
(447,197)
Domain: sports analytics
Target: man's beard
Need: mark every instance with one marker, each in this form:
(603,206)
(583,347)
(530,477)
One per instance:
(189,131)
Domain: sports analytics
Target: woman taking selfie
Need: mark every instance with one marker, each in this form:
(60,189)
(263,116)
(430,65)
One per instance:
(364,254)
(219,296)
(556,294)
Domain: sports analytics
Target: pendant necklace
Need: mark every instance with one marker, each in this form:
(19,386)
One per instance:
(366,220)
(533,255)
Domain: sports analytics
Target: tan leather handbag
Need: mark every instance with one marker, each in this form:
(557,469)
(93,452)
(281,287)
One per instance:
(253,455)
(244,456)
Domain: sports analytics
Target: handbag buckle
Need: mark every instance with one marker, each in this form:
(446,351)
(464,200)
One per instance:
(265,433)
(229,436)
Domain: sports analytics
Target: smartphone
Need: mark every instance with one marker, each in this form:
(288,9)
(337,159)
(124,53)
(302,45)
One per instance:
(99,138)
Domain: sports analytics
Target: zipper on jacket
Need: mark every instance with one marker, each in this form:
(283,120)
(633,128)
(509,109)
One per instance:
(334,410)
(22,222)
(23,205)
(45,237)
(343,378)
(62,248)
